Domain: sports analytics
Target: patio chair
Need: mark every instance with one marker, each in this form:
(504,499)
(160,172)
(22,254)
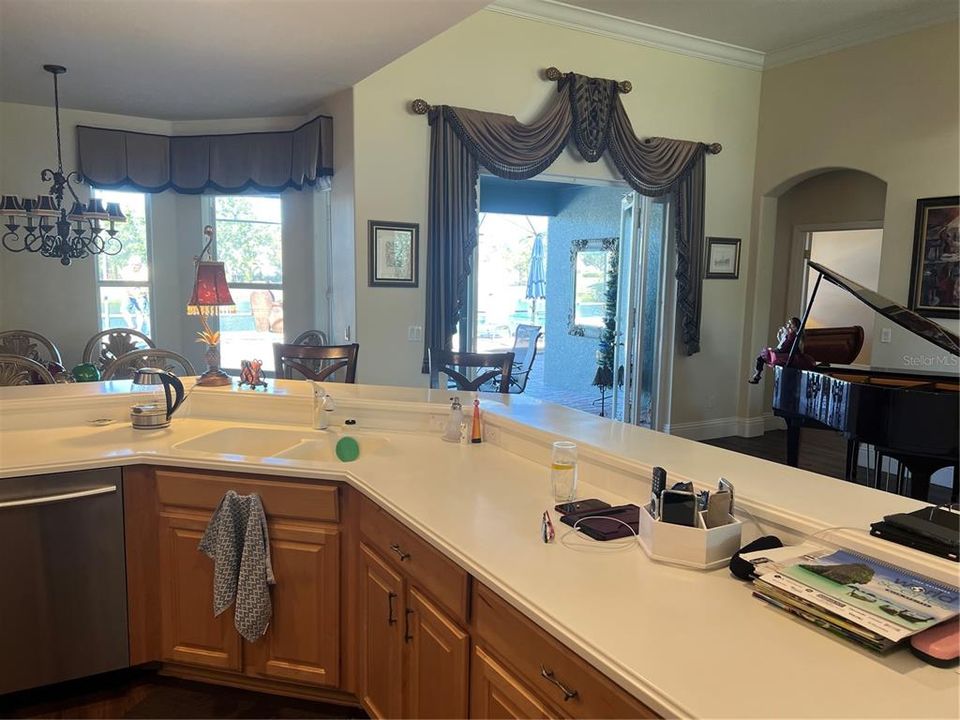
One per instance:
(455,365)
(524,353)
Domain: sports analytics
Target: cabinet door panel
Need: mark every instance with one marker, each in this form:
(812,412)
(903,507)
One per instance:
(438,657)
(497,693)
(191,633)
(381,638)
(302,643)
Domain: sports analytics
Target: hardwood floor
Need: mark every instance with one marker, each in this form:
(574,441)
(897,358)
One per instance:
(144,694)
(821,451)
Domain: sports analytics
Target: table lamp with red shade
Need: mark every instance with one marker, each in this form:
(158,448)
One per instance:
(211,296)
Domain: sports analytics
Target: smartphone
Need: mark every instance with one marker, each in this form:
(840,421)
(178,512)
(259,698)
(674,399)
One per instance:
(581,506)
(678,507)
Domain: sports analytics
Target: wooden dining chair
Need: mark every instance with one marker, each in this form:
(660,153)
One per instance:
(456,365)
(20,370)
(316,363)
(29,344)
(124,366)
(107,345)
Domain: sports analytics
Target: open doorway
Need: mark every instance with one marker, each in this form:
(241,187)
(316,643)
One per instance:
(853,252)
(582,265)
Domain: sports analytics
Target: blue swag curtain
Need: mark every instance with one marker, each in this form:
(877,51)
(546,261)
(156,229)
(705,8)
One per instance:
(589,112)
(263,161)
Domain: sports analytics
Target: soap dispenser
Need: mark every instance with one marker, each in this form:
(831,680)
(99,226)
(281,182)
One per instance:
(452,429)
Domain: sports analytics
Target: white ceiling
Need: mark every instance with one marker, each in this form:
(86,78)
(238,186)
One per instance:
(771,26)
(198,59)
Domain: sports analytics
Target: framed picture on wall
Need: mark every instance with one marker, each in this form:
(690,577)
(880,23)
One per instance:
(394,254)
(723,258)
(935,276)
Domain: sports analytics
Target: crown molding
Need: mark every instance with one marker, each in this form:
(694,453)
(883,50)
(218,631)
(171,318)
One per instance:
(888,26)
(617,28)
(634,31)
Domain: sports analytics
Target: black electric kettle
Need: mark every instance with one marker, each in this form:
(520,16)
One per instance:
(158,408)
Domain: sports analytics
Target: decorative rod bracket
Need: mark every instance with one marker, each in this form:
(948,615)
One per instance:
(420,106)
(554,75)
(714,148)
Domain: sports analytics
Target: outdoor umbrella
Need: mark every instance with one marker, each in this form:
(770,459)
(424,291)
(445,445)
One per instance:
(536,276)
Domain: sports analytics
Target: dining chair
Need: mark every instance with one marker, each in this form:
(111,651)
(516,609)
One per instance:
(20,370)
(316,363)
(123,367)
(457,365)
(29,344)
(108,345)
(314,338)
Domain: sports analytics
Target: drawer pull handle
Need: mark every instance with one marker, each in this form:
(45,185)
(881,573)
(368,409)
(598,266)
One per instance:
(403,555)
(407,637)
(391,619)
(548,674)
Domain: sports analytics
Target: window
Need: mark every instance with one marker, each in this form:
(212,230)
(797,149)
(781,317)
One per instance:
(124,292)
(248,242)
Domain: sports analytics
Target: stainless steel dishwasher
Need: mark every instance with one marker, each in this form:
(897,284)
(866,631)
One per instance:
(63,583)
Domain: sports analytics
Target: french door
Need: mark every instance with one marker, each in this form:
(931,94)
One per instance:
(641,309)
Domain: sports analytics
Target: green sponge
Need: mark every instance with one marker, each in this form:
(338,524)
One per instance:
(347,449)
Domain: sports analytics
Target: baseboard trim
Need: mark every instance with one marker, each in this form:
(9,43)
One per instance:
(726,427)
(264,685)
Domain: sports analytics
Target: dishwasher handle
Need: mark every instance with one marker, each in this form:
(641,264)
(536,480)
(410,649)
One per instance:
(58,497)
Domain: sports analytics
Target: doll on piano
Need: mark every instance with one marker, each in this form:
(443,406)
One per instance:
(779,354)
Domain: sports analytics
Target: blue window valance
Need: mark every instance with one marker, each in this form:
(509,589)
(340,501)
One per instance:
(263,161)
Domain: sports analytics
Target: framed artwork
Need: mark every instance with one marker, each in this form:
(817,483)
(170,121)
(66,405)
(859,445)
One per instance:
(723,258)
(935,276)
(394,254)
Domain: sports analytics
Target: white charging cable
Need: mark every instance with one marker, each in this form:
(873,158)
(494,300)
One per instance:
(606,545)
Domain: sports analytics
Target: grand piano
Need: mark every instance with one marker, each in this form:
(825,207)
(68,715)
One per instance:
(910,416)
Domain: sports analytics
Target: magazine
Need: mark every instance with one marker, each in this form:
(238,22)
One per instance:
(883,599)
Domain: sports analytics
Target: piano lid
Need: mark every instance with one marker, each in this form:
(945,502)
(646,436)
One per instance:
(917,324)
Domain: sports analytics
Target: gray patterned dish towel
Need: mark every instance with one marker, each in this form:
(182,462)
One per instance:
(237,542)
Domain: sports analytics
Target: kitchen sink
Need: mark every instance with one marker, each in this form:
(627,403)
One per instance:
(323,447)
(257,442)
(315,445)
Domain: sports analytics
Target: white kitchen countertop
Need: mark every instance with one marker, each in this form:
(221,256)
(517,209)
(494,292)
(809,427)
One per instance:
(685,642)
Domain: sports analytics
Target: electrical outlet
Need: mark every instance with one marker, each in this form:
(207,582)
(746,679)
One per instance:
(415,333)
(885,335)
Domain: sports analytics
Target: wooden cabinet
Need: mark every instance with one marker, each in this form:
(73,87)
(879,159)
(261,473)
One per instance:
(438,659)
(302,643)
(381,639)
(567,684)
(191,634)
(496,693)
(427,598)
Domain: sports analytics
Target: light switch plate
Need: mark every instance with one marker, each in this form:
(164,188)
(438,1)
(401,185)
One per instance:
(885,334)
(415,333)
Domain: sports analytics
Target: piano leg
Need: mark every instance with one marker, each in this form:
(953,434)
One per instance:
(793,441)
(853,460)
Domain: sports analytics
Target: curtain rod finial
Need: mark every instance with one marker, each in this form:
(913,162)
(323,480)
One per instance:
(625,86)
(552,73)
(714,148)
(420,106)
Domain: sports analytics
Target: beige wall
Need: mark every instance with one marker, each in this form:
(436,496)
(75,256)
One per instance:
(61,302)
(888,108)
(493,62)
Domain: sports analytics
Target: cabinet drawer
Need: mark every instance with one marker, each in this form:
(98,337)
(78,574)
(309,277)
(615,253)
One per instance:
(548,666)
(429,569)
(282,500)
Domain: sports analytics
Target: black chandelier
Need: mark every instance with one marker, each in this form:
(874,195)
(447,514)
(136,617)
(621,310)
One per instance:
(43,225)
